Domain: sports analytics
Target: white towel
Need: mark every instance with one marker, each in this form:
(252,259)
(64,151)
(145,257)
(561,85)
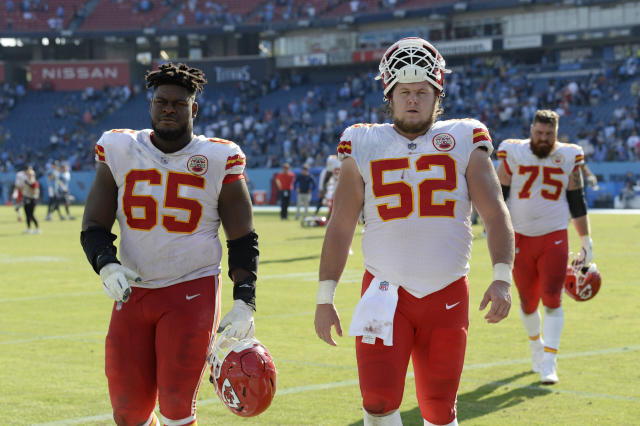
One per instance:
(373,316)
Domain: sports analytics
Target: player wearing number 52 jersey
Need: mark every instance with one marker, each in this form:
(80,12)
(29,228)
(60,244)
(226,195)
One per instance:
(542,183)
(169,190)
(415,181)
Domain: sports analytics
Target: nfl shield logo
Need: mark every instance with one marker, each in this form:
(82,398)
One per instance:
(412,145)
(384,285)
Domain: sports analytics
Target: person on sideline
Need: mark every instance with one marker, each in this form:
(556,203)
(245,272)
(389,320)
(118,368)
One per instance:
(284,183)
(30,196)
(542,183)
(415,179)
(169,190)
(304,186)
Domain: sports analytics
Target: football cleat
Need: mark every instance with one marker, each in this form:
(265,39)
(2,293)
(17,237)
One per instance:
(243,374)
(582,283)
(537,352)
(412,60)
(548,374)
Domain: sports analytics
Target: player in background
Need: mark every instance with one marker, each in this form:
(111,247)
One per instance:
(169,190)
(63,195)
(30,196)
(331,182)
(542,182)
(415,179)
(325,175)
(53,179)
(16,195)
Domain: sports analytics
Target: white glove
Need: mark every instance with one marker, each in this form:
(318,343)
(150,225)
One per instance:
(586,254)
(115,281)
(240,320)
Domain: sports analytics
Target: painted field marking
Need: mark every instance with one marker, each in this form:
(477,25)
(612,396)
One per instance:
(323,386)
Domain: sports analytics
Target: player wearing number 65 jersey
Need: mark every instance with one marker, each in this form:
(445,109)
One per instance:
(542,183)
(169,190)
(415,181)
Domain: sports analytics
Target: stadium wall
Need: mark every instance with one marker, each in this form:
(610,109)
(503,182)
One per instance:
(611,176)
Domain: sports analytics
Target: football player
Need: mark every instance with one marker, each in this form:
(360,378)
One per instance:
(542,182)
(169,190)
(415,179)
(16,195)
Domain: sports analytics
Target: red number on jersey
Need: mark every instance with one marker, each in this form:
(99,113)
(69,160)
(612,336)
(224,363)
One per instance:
(547,179)
(146,202)
(534,171)
(428,186)
(404,191)
(172,200)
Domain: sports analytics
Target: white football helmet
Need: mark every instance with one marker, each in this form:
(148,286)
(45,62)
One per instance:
(412,60)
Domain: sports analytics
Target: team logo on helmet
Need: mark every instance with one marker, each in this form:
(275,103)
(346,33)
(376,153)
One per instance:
(557,159)
(198,164)
(443,142)
(243,375)
(229,395)
(582,283)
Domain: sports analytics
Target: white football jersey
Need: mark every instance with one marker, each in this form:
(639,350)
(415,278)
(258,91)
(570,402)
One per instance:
(168,203)
(537,198)
(21,180)
(416,206)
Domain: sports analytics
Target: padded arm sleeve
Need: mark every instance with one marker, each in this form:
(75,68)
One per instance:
(577,202)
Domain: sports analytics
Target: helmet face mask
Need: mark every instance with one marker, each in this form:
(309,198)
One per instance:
(412,60)
(582,283)
(243,375)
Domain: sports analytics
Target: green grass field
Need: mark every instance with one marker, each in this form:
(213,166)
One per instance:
(54,317)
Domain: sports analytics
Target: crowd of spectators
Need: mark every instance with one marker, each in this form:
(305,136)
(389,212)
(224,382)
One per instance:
(287,118)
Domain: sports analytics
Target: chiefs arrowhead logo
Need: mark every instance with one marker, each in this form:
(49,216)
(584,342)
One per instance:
(229,396)
(443,142)
(198,164)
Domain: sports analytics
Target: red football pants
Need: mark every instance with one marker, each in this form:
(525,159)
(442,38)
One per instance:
(433,331)
(540,268)
(157,346)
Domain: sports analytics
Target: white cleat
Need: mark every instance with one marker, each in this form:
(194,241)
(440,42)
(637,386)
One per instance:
(548,375)
(537,352)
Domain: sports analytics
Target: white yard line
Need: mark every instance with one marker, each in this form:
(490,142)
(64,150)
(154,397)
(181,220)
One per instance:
(323,386)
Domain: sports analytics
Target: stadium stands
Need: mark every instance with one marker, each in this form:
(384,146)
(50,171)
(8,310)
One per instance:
(126,14)
(286,119)
(17,16)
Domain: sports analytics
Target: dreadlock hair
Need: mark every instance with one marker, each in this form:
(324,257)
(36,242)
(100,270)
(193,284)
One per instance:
(192,79)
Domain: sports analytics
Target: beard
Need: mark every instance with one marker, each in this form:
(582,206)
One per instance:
(541,150)
(412,128)
(418,127)
(170,134)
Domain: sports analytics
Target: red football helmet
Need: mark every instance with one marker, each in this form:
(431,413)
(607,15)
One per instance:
(243,374)
(582,283)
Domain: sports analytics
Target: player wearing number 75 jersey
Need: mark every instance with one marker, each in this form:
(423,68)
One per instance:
(415,179)
(542,183)
(169,190)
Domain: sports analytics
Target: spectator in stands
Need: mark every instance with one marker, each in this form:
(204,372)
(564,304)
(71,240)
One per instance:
(284,183)
(633,145)
(304,186)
